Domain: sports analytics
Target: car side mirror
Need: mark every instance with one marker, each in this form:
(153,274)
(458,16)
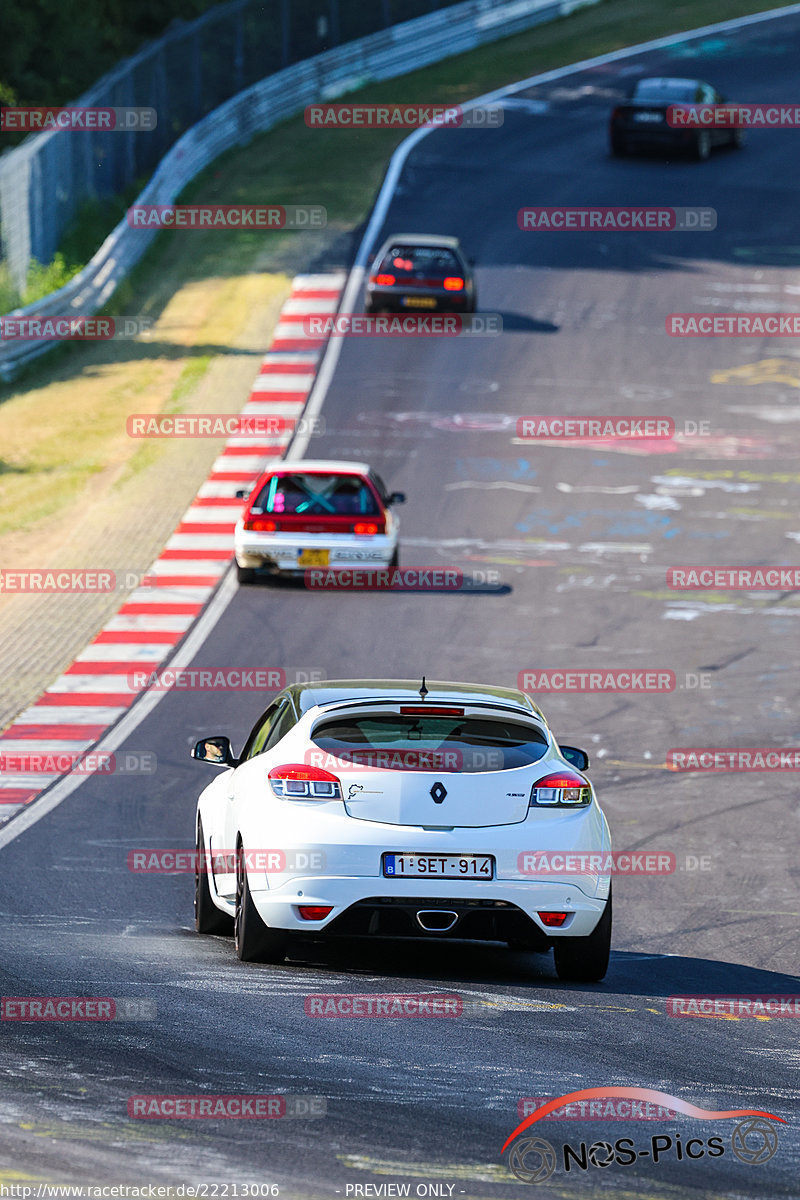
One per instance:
(216,751)
(397,498)
(241,493)
(578,758)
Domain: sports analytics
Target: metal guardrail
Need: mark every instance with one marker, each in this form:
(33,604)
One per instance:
(391,52)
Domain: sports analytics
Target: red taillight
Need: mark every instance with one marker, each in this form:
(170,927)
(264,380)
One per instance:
(384,280)
(298,782)
(314,912)
(427,710)
(363,528)
(553,918)
(260,525)
(453,283)
(615,114)
(562,788)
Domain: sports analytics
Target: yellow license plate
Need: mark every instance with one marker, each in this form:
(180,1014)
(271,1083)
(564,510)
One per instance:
(419,302)
(313,558)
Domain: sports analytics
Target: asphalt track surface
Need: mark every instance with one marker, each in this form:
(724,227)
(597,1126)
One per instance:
(581,538)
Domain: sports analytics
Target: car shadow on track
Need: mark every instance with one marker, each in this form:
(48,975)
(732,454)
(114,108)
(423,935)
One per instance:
(515,322)
(630,973)
(464,586)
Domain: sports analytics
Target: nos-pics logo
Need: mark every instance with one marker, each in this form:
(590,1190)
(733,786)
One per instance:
(534,1159)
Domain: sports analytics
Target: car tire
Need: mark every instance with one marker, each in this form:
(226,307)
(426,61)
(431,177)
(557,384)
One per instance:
(395,559)
(207,917)
(738,139)
(254,941)
(245,575)
(619,147)
(702,146)
(585,960)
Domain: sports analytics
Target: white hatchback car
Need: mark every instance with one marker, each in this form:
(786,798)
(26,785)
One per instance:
(378,808)
(316,513)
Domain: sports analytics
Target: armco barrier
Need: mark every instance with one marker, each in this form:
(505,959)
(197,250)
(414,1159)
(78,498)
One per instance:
(385,55)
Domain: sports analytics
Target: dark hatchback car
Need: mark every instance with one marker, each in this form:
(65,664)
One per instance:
(416,272)
(640,123)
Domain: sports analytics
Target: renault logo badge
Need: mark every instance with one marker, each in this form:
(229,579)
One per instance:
(438,792)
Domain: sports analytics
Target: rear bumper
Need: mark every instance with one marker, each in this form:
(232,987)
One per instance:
(496,910)
(654,135)
(434,917)
(393,300)
(279,551)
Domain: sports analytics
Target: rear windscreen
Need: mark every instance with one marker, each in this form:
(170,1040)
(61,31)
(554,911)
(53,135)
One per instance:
(436,259)
(467,744)
(317,496)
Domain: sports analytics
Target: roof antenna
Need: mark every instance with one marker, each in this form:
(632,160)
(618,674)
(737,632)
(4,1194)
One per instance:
(423,691)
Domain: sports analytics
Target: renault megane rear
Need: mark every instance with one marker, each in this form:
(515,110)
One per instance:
(375,808)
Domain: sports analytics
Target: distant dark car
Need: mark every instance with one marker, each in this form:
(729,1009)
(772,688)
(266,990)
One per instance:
(418,272)
(641,122)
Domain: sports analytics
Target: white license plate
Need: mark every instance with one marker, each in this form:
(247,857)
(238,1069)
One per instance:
(439,866)
(651,117)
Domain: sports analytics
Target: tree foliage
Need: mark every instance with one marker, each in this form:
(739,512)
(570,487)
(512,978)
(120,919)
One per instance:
(51,51)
